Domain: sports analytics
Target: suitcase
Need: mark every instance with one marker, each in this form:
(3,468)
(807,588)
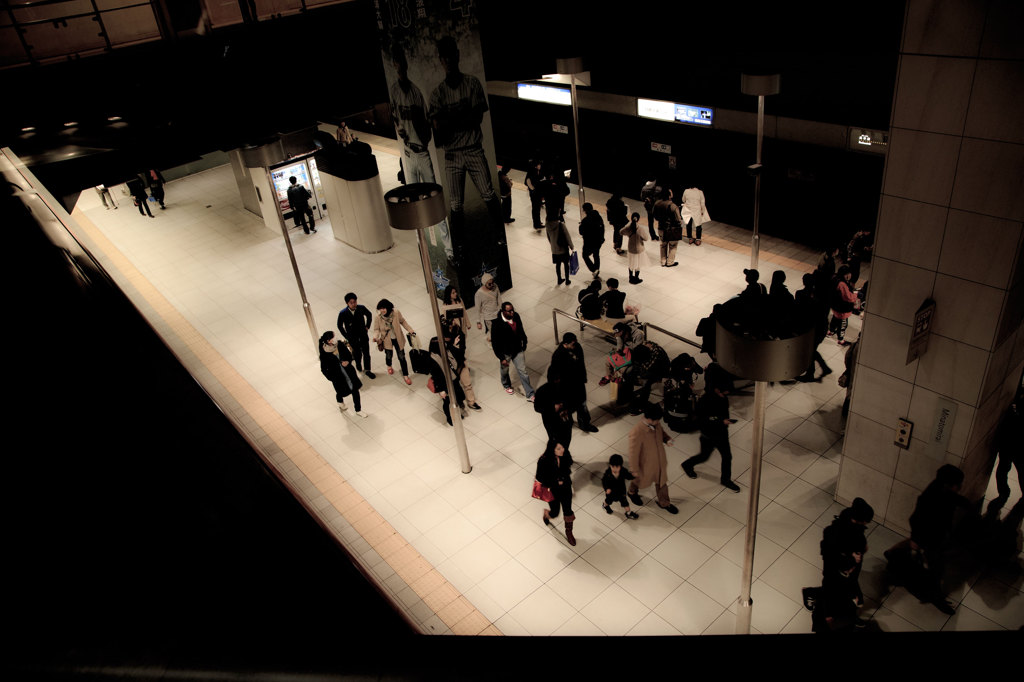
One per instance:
(420,360)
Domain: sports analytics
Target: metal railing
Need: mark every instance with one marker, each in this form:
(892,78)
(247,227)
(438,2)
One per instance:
(662,330)
(555,312)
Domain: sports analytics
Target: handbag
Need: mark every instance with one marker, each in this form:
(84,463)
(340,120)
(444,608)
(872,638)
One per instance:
(380,345)
(673,233)
(430,385)
(414,341)
(541,493)
(574,263)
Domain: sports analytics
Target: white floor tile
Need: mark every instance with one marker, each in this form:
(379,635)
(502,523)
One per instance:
(579,583)
(613,556)
(649,581)
(542,612)
(689,610)
(712,527)
(615,611)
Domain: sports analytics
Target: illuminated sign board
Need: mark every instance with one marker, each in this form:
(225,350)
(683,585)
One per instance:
(673,111)
(865,140)
(656,109)
(544,93)
(700,116)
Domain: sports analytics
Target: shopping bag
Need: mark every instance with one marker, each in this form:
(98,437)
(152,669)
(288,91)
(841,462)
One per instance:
(414,341)
(574,263)
(541,493)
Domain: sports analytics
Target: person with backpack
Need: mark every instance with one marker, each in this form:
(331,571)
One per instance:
(842,302)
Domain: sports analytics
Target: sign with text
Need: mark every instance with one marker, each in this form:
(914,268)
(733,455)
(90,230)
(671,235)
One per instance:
(544,93)
(656,109)
(945,418)
(661,110)
(661,147)
(871,141)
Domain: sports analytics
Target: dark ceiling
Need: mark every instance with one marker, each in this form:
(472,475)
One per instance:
(239,85)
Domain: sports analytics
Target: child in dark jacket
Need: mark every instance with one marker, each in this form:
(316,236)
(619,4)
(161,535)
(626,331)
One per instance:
(614,484)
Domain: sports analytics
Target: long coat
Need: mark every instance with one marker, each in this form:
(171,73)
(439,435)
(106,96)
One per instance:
(343,377)
(693,207)
(636,236)
(647,456)
(380,329)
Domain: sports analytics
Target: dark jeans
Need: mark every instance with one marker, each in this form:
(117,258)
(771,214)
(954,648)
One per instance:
(617,237)
(401,359)
(143,203)
(361,352)
(562,499)
(582,416)
(341,399)
(460,398)
(708,442)
(689,229)
(592,256)
(506,208)
(299,213)
(558,270)
(838,327)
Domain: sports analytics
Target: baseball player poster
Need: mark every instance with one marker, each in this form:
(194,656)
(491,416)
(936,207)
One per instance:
(434,68)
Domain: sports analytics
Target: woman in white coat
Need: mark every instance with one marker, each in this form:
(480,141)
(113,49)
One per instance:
(694,213)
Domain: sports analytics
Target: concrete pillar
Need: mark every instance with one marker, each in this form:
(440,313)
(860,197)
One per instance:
(950,229)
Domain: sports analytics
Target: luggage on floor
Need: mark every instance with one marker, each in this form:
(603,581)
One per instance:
(420,360)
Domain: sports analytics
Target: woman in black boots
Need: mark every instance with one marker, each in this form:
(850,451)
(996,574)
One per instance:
(554,471)
(634,247)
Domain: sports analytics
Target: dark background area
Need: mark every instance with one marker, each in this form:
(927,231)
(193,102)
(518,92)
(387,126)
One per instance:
(245,84)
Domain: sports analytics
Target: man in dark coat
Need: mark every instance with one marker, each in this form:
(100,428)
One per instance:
(298,200)
(567,361)
(713,417)
(553,404)
(508,341)
(592,231)
(354,323)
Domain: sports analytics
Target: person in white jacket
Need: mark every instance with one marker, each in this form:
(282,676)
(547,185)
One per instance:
(694,213)
(488,302)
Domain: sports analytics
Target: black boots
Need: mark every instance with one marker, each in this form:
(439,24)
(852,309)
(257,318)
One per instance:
(634,277)
(568,529)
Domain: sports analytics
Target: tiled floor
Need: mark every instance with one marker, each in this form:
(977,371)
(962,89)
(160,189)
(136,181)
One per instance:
(475,552)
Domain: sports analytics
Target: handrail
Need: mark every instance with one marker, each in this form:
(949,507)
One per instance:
(672,334)
(555,312)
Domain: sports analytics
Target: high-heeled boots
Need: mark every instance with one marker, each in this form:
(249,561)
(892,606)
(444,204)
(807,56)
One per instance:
(568,529)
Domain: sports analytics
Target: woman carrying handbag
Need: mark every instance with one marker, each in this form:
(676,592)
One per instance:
(554,472)
(387,335)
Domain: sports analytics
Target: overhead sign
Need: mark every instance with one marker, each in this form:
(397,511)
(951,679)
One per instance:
(871,141)
(698,116)
(559,128)
(661,147)
(544,93)
(661,110)
(656,109)
(922,329)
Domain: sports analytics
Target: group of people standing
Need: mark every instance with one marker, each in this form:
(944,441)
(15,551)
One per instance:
(151,180)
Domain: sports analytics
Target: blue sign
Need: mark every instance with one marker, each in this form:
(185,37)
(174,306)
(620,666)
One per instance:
(687,113)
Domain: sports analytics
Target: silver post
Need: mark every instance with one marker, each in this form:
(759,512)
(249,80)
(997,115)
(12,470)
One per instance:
(417,206)
(295,268)
(576,133)
(743,610)
(453,408)
(755,241)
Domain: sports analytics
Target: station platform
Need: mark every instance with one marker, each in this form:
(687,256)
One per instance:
(467,554)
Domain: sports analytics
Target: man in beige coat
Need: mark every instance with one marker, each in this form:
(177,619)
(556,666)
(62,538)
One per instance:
(648,459)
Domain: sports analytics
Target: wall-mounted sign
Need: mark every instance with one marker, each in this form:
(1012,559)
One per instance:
(559,128)
(923,319)
(871,141)
(661,147)
(661,110)
(656,109)
(544,93)
(945,418)
(698,116)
